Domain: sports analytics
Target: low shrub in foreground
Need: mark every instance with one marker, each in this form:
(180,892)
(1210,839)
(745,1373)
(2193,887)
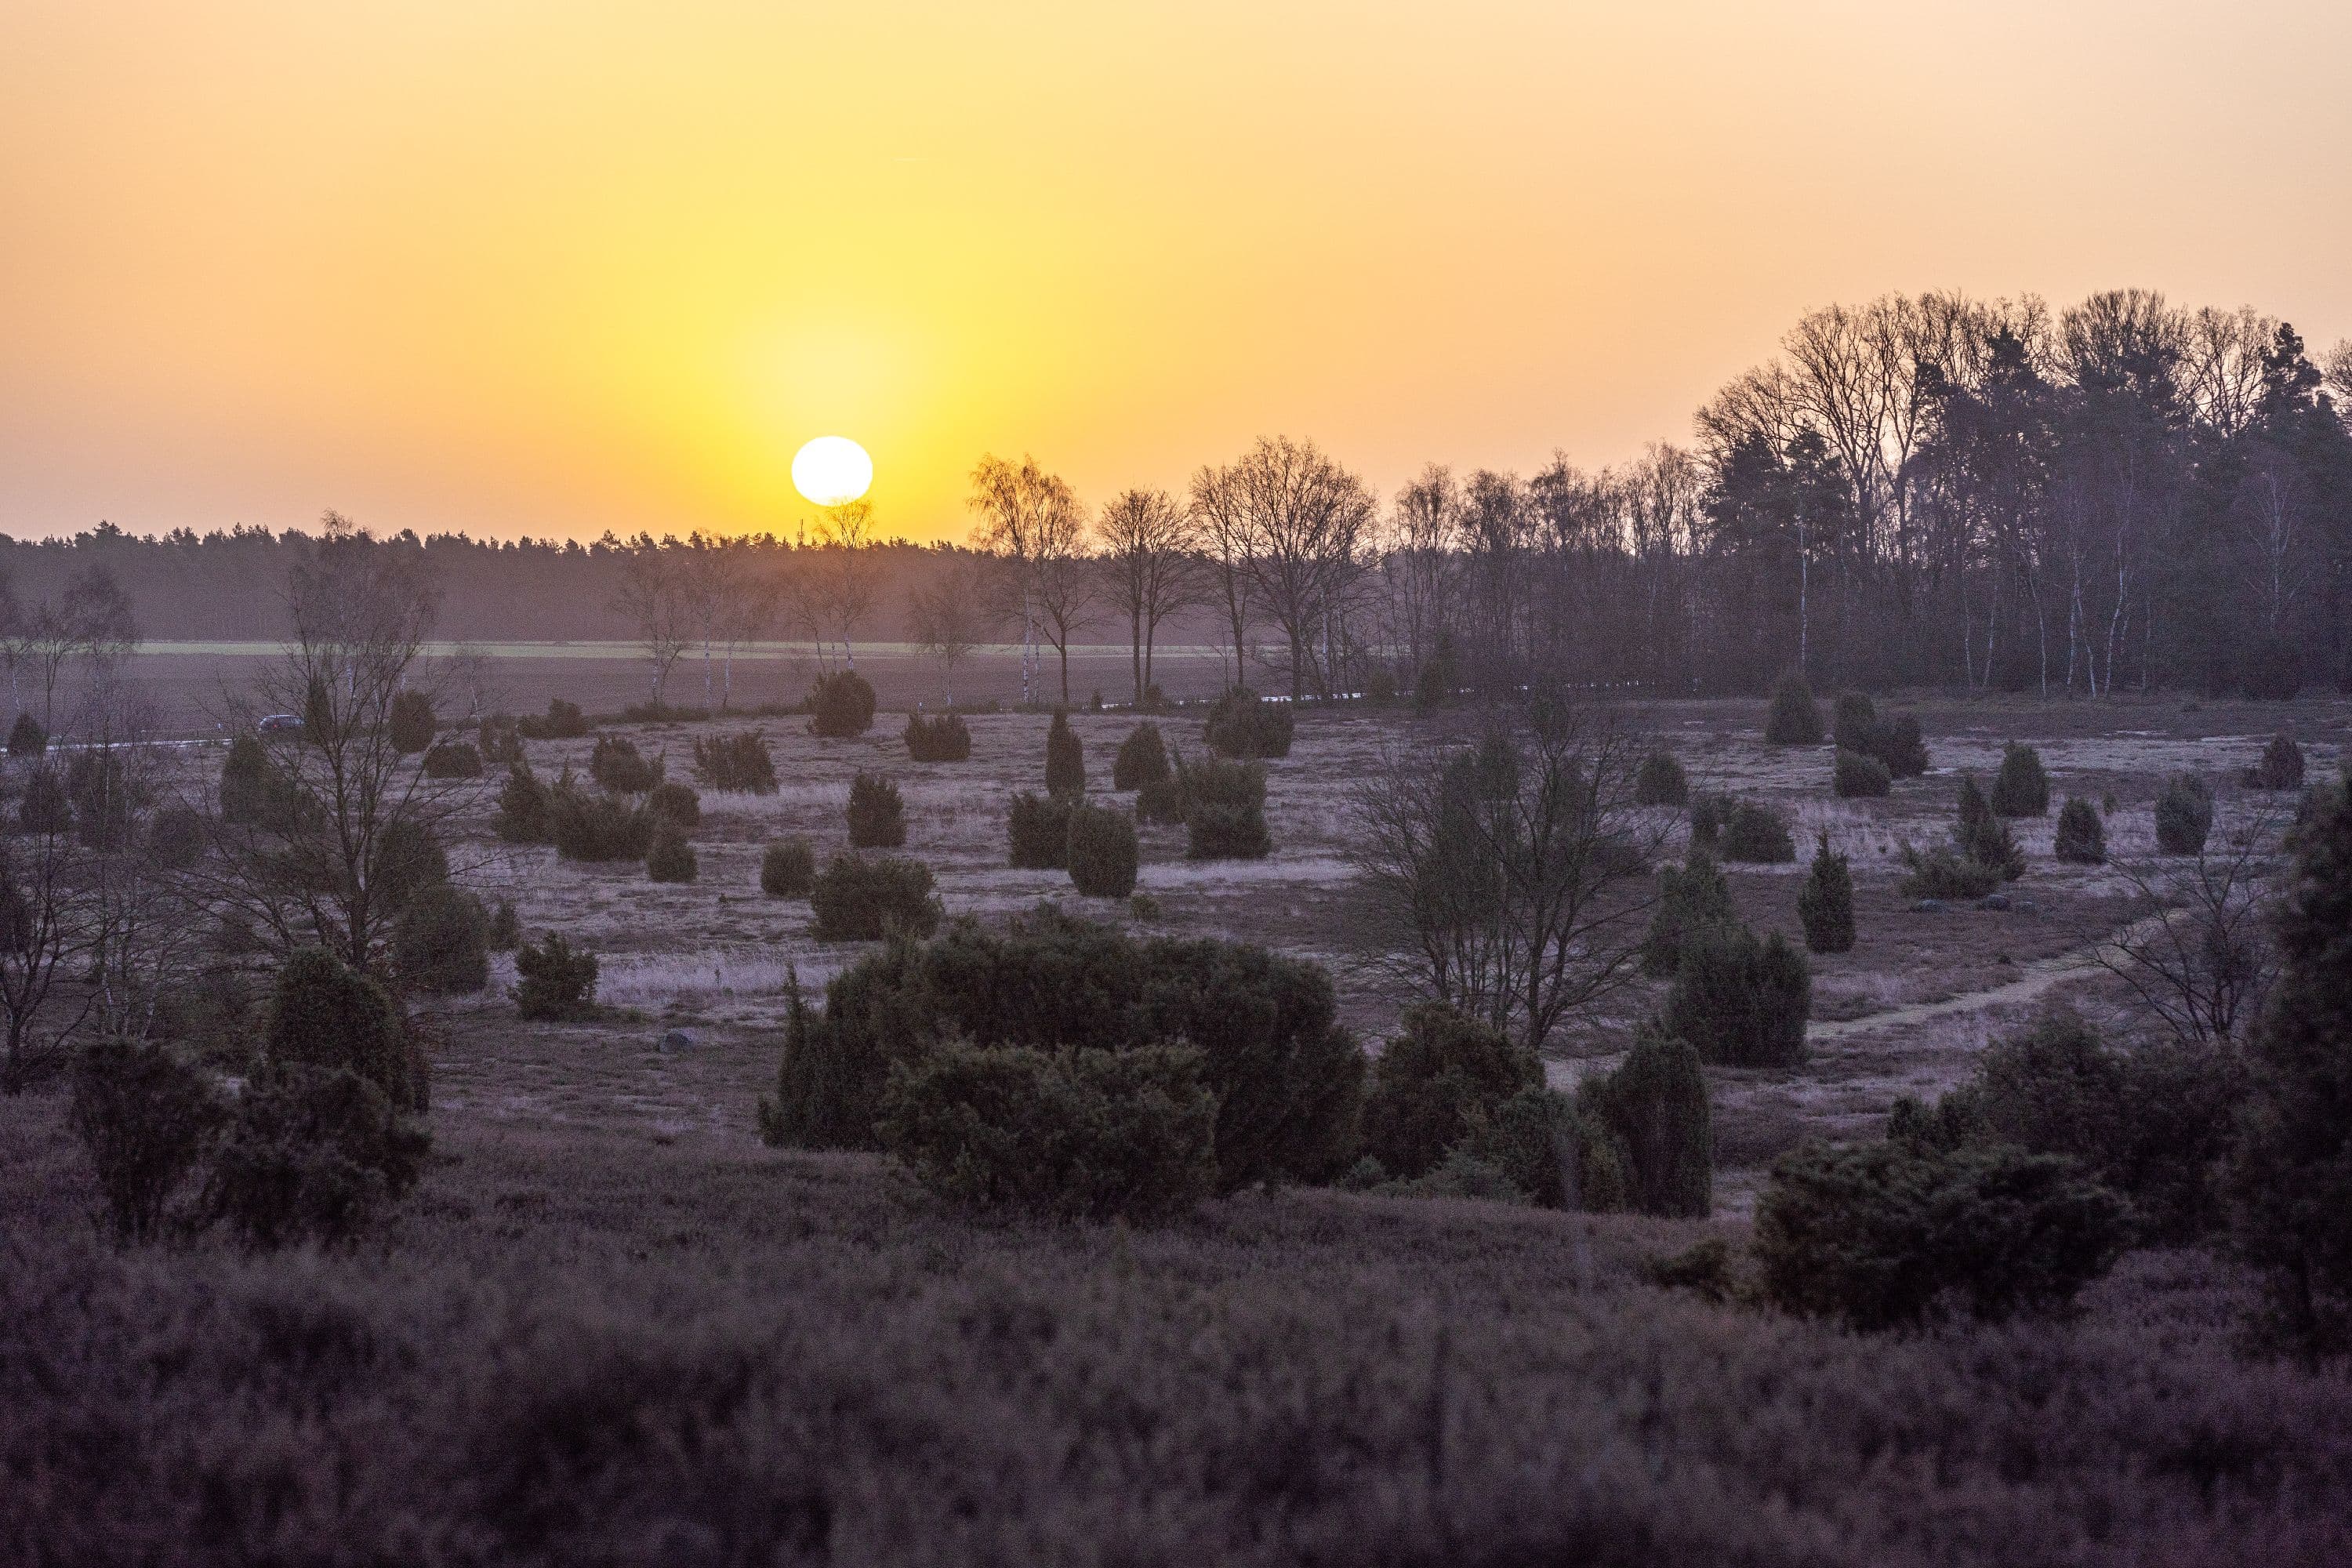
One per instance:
(840,705)
(441,942)
(1794,719)
(1661,781)
(865,897)
(942,738)
(1090,1134)
(1436,1082)
(1038,830)
(2021,788)
(1142,760)
(145,1118)
(876,815)
(557,981)
(2081,836)
(311,1154)
(1859,776)
(2184,814)
(1741,1001)
(735,764)
(1243,726)
(1103,853)
(325,1013)
(1825,903)
(1756,835)
(453,759)
(788,869)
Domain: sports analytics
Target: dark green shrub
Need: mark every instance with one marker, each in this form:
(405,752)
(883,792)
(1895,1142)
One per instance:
(1883,1235)
(1653,1105)
(526,810)
(1940,873)
(1689,898)
(1102,852)
(555,981)
(176,836)
(412,724)
(312,1154)
(1853,723)
(1535,1140)
(1039,828)
(2021,788)
(2292,1180)
(442,942)
(1066,758)
(27,738)
(2082,838)
(1162,800)
(1090,1134)
(1825,903)
(46,808)
(453,759)
(2281,767)
(1225,810)
(840,705)
(617,765)
(675,804)
(671,856)
(876,816)
(1661,781)
(565,721)
(325,1013)
(868,898)
(1983,836)
(1896,742)
(252,793)
(1434,1082)
(788,869)
(940,738)
(1707,814)
(2184,814)
(408,859)
(1794,719)
(506,927)
(145,1118)
(1756,835)
(737,763)
(1243,726)
(1142,758)
(1741,1001)
(1860,777)
(598,828)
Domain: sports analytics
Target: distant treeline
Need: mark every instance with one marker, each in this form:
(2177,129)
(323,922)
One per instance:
(1928,491)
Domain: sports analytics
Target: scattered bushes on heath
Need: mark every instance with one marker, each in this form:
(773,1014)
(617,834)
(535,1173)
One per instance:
(556,981)
(1741,1001)
(675,803)
(1825,903)
(876,816)
(526,808)
(312,1154)
(441,941)
(617,765)
(1142,760)
(865,897)
(1884,1235)
(671,857)
(453,759)
(1287,1079)
(1794,717)
(1103,853)
(597,828)
(1243,726)
(1690,898)
(2184,814)
(1066,758)
(1438,1080)
(412,724)
(2021,788)
(1090,1134)
(1038,828)
(1756,833)
(1858,777)
(1225,810)
(2281,766)
(788,869)
(1661,781)
(145,1118)
(1653,1108)
(2082,837)
(840,705)
(942,738)
(735,764)
(324,1013)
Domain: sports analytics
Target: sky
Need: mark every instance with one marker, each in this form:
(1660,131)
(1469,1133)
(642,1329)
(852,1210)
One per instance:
(556,268)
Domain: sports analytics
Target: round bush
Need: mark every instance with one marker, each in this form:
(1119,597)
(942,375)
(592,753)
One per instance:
(1899,743)
(1436,1082)
(840,705)
(1661,781)
(412,724)
(1103,852)
(876,816)
(2082,837)
(619,766)
(2021,788)
(942,738)
(453,759)
(1141,761)
(671,857)
(597,828)
(1654,1108)
(675,804)
(311,1154)
(325,1013)
(1226,833)
(2281,766)
(1741,1001)
(1858,777)
(1853,723)
(556,980)
(442,942)
(27,738)
(788,869)
(1825,903)
(735,764)
(1794,719)
(526,812)
(1039,829)
(868,898)
(176,836)
(1241,725)
(2184,814)
(1756,835)
(1691,898)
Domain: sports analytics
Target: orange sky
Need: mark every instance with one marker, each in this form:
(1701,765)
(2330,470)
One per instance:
(560,268)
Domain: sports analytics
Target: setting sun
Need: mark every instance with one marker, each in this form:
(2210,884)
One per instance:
(832,470)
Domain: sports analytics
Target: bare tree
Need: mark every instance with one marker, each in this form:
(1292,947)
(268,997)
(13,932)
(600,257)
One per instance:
(950,618)
(1513,874)
(1419,565)
(2199,956)
(1149,547)
(1297,523)
(91,620)
(1030,519)
(655,597)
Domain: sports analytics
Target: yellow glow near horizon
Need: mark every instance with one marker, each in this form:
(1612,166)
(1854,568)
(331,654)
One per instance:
(832,470)
(525,266)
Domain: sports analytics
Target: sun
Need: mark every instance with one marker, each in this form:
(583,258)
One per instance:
(832,470)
